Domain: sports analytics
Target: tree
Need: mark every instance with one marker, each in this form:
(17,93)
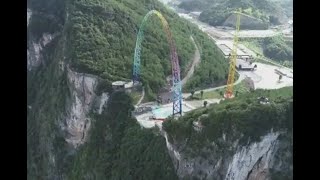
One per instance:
(237,93)
(280,77)
(205,103)
(221,93)
(274,20)
(192,93)
(248,11)
(201,94)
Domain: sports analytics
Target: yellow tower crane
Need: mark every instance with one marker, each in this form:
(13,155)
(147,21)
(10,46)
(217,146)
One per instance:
(233,59)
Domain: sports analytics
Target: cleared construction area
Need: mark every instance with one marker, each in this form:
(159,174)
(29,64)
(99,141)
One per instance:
(155,114)
(151,114)
(244,55)
(266,76)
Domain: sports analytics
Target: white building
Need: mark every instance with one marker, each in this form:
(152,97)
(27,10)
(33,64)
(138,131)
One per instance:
(122,85)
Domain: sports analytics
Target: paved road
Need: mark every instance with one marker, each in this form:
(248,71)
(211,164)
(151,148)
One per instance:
(186,95)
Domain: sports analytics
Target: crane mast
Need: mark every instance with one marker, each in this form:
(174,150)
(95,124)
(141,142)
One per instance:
(233,59)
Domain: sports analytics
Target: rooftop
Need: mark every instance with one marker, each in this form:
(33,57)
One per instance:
(123,83)
(118,83)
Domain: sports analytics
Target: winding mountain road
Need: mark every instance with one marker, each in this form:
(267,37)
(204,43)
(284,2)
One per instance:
(196,60)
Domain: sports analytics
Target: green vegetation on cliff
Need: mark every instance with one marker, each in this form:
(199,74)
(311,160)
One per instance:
(243,117)
(117,147)
(47,95)
(217,132)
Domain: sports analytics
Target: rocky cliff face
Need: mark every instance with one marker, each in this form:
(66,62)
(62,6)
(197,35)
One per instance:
(83,101)
(102,102)
(254,161)
(77,122)
(35,50)
(29,13)
(36,46)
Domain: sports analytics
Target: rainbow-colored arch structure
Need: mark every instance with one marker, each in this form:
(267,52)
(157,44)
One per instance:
(176,89)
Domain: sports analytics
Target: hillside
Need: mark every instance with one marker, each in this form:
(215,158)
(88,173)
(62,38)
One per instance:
(102,40)
(275,48)
(215,12)
(246,22)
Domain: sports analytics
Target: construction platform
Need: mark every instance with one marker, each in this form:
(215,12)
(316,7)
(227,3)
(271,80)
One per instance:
(243,65)
(242,52)
(150,114)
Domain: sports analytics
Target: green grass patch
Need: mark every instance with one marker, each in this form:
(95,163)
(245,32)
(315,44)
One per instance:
(208,95)
(285,92)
